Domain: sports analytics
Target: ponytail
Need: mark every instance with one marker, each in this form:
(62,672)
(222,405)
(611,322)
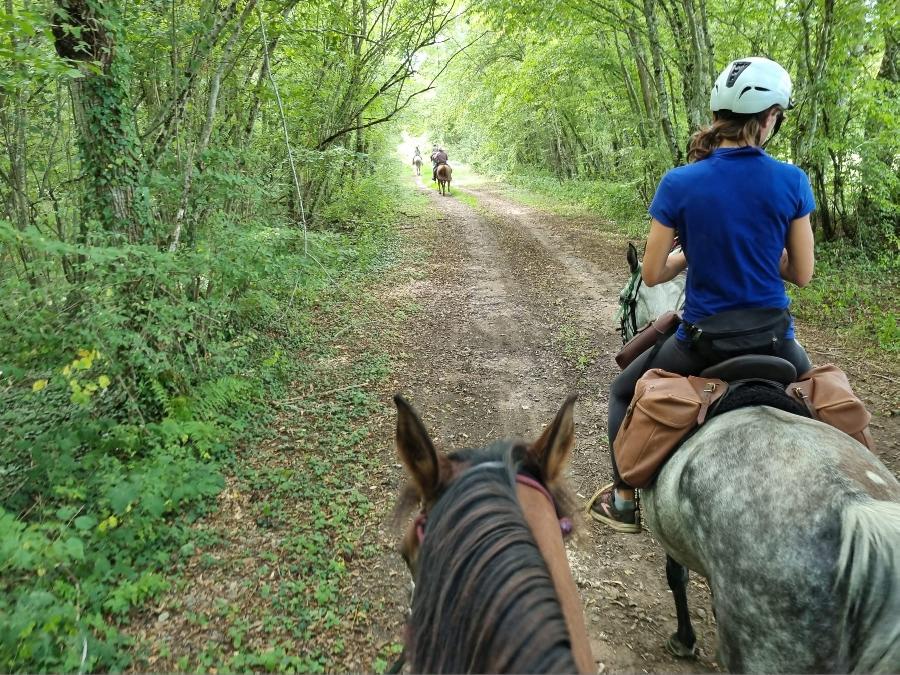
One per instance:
(726,126)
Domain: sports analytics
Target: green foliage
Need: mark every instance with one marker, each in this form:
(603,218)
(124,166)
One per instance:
(619,203)
(572,92)
(88,552)
(123,392)
(135,359)
(577,346)
(362,203)
(854,295)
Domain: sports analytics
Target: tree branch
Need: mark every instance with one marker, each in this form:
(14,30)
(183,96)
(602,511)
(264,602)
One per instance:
(395,80)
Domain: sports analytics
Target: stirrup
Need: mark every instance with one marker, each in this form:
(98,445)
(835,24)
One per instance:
(617,525)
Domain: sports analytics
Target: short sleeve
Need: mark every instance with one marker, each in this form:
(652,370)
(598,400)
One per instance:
(806,202)
(664,207)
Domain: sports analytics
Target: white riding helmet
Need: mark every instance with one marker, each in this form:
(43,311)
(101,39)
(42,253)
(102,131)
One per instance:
(751,85)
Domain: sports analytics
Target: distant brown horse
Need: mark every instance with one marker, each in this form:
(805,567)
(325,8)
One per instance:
(493,589)
(444,173)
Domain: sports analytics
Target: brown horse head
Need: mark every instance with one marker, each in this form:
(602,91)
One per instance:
(490,521)
(431,472)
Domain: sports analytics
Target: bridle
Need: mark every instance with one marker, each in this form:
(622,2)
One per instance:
(628,304)
(628,300)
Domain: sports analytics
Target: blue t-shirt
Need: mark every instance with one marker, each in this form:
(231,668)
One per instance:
(732,212)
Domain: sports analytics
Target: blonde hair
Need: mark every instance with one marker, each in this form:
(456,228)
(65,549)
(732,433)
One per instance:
(727,126)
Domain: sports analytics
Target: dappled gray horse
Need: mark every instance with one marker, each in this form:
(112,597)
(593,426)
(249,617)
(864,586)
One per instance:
(797,528)
(639,304)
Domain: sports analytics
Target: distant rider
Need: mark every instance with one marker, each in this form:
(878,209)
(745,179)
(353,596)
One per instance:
(437,158)
(434,152)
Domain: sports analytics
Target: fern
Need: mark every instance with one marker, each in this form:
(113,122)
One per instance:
(162,398)
(211,399)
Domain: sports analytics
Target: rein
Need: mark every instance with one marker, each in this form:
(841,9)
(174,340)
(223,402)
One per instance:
(628,305)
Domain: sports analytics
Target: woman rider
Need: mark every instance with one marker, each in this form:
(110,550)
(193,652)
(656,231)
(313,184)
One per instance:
(742,219)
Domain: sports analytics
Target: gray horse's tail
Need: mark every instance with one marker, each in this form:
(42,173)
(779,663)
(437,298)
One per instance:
(869,571)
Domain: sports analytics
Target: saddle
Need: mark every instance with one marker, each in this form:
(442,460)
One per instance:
(667,408)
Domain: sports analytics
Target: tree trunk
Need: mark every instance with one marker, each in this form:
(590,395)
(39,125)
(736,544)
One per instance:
(206,133)
(255,99)
(113,167)
(808,153)
(710,51)
(883,215)
(696,72)
(174,109)
(823,207)
(640,60)
(632,95)
(659,81)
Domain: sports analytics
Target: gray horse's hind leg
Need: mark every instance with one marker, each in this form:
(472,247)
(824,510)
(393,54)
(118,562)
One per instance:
(682,642)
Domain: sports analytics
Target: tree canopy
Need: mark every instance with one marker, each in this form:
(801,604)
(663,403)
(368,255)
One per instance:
(612,90)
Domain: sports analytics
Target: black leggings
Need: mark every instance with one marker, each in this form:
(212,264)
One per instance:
(676,357)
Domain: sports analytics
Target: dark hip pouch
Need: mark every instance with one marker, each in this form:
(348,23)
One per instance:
(759,330)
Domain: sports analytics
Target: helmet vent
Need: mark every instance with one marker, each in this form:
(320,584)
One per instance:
(761,89)
(736,70)
(744,91)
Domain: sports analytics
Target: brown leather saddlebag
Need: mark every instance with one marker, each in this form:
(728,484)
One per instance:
(826,392)
(664,409)
(663,326)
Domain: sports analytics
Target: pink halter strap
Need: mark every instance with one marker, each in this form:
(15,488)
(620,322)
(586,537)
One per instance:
(565,524)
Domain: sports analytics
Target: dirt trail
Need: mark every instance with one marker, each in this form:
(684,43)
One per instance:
(517,312)
(513,299)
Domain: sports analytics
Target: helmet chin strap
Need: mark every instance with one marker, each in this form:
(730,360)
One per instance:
(778,120)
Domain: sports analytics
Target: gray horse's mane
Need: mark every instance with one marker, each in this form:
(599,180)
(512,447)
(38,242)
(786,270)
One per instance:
(869,571)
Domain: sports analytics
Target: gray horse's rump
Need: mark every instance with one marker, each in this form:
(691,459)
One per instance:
(761,503)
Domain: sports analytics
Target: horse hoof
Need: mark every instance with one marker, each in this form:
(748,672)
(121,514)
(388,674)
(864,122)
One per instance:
(677,649)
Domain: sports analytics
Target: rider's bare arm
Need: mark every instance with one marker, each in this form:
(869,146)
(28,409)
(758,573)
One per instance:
(659,265)
(798,259)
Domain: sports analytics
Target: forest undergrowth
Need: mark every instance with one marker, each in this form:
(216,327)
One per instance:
(126,439)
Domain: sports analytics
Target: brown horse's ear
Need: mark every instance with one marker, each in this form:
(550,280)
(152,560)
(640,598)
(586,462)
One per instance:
(417,451)
(632,257)
(551,450)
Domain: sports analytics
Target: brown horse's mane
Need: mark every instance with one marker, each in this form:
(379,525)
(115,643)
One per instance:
(484,599)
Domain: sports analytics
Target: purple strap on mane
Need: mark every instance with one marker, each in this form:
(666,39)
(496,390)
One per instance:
(420,526)
(565,524)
